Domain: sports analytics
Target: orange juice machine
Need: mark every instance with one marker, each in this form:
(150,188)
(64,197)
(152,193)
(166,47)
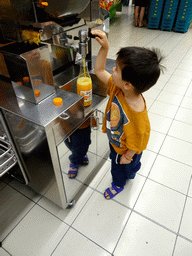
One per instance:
(40,47)
(48,38)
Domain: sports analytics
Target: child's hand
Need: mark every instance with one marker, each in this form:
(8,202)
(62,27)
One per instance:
(123,160)
(101,38)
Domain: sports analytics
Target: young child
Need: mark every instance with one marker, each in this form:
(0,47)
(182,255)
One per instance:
(126,119)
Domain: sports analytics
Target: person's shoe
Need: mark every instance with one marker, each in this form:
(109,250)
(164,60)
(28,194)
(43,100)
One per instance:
(72,173)
(113,191)
(85,160)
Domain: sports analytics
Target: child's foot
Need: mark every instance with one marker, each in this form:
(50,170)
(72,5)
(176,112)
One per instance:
(112,191)
(72,173)
(85,160)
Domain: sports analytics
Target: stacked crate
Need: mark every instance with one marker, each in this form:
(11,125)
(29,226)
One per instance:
(184,16)
(156,8)
(169,14)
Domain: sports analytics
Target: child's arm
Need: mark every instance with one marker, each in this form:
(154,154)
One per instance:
(127,157)
(100,62)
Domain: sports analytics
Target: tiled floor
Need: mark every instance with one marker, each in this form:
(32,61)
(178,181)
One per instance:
(152,216)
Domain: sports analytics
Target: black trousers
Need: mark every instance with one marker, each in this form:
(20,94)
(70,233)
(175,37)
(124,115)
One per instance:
(122,172)
(78,143)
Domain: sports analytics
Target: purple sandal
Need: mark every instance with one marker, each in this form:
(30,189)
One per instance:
(75,171)
(85,160)
(118,190)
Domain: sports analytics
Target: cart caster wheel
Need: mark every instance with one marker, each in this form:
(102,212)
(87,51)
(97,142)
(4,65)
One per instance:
(0,244)
(71,204)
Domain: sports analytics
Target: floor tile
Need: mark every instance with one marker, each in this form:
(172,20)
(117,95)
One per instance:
(190,190)
(76,244)
(163,109)
(147,160)
(155,141)
(161,204)
(152,93)
(183,247)
(189,91)
(184,115)
(104,169)
(6,178)
(187,59)
(130,193)
(186,103)
(170,98)
(13,207)
(68,214)
(159,85)
(185,66)
(102,143)
(54,209)
(2,185)
(3,252)
(164,169)
(79,205)
(143,237)
(181,131)
(176,79)
(186,229)
(102,221)
(37,234)
(177,149)
(62,149)
(175,88)
(160,123)
(25,190)
(165,76)
(149,102)
(183,73)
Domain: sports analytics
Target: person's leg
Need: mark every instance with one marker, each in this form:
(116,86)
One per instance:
(80,141)
(141,15)
(136,15)
(118,175)
(133,167)
(68,143)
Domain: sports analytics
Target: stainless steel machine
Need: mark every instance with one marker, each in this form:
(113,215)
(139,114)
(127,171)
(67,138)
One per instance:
(41,44)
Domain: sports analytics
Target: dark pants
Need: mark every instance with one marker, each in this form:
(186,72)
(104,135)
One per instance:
(78,143)
(122,172)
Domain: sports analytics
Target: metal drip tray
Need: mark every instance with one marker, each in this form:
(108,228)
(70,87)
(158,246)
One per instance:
(27,136)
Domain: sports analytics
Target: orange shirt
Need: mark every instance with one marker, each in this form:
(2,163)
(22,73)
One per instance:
(126,128)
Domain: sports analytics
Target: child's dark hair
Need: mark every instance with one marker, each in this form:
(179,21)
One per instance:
(140,66)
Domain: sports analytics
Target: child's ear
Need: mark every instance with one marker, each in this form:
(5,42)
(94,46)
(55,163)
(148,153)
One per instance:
(127,85)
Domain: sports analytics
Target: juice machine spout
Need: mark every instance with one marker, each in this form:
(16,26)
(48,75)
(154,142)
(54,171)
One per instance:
(82,46)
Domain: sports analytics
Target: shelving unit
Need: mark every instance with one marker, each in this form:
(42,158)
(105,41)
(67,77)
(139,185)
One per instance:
(156,8)
(184,16)
(169,14)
